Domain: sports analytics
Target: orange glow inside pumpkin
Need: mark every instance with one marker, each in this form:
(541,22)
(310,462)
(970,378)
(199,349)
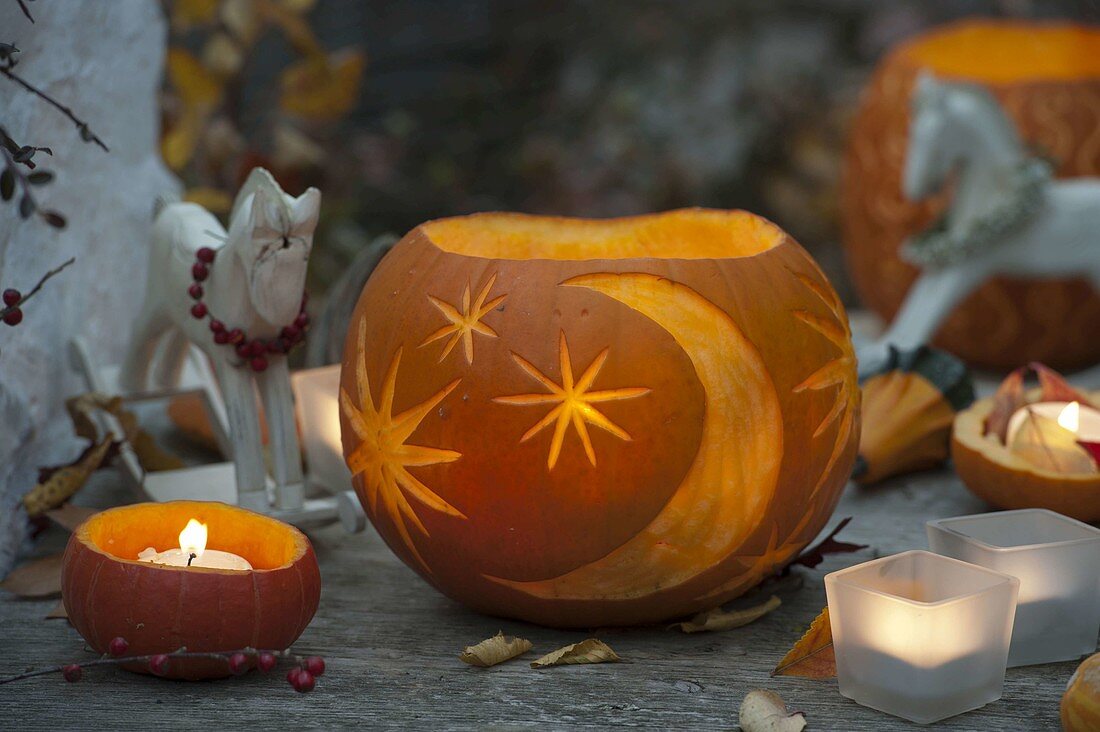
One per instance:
(996,52)
(125,531)
(683,234)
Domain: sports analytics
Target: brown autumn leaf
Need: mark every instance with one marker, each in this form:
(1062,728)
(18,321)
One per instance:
(765,711)
(58,485)
(148,452)
(718,619)
(1008,398)
(497,649)
(812,657)
(1054,388)
(69,516)
(815,555)
(36,578)
(200,91)
(592,650)
(57,612)
(1045,444)
(323,87)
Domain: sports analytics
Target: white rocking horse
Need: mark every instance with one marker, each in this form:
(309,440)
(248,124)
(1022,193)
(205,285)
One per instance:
(1007,216)
(238,295)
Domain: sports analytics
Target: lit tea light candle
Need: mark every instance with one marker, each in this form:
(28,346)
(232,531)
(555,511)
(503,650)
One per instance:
(1049,435)
(193,552)
(920,636)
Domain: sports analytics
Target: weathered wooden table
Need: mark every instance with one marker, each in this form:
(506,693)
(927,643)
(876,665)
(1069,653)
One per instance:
(391,643)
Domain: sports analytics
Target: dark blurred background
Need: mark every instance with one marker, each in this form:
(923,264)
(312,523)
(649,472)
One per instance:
(590,108)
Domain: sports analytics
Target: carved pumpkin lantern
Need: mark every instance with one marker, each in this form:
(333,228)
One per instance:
(1047,77)
(581,422)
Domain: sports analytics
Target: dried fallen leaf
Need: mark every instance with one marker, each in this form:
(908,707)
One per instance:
(812,657)
(57,485)
(213,200)
(1054,388)
(592,650)
(70,516)
(765,711)
(719,619)
(1008,398)
(58,612)
(321,87)
(497,649)
(149,454)
(37,578)
(1045,444)
(815,555)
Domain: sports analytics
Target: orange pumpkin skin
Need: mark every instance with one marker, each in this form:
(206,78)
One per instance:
(549,421)
(1048,79)
(1008,481)
(160,609)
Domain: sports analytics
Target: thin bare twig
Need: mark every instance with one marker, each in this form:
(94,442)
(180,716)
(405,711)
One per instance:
(36,288)
(81,126)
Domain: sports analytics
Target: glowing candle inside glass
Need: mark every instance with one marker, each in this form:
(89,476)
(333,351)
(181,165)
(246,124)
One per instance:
(193,552)
(1056,559)
(920,636)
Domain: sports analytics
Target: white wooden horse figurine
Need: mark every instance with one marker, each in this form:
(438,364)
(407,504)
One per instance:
(238,295)
(1007,215)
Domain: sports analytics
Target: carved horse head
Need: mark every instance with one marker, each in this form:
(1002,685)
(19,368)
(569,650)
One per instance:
(953,125)
(272,233)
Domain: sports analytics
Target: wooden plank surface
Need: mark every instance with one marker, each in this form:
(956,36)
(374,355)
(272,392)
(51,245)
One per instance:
(391,644)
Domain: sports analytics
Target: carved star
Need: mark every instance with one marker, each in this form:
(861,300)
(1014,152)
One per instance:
(383,457)
(465,322)
(574,402)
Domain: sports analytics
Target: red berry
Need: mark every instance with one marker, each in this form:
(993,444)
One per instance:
(303,682)
(195,291)
(267,661)
(256,348)
(242,350)
(238,663)
(221,338)
(216,326)
(158,664)
(236,335)
(302,321)
(199,271)
(292,674)
(315,665)
(259,364)
(291,332)
(274,346)
(12,297)
(198,310)
(117,646)
(72,672)
(205,254)
(13,316)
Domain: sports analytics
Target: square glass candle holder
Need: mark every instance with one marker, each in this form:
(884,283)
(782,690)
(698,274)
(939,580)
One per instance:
(317,397)
(921,636)
(1056,559)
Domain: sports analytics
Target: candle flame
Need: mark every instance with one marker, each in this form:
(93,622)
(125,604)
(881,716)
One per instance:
(193,538)
(1070,417)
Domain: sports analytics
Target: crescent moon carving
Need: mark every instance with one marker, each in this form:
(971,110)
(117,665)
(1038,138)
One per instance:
(722,497)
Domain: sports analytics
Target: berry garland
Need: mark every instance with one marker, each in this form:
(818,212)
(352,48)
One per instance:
(252,351)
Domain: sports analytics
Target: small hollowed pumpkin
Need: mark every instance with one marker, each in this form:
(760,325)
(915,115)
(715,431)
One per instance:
(1007,480)
(1080,708)
(1047,76)
(584,423)
(159,609)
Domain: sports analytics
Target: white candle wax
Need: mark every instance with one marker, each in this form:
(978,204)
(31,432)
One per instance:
(209,558)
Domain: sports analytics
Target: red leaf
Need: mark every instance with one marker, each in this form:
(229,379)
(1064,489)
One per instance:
(1093,449)
(1009,397)
(815,555)
(1055,388)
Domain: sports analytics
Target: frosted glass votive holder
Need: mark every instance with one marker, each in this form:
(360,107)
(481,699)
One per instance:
(921,636)
(1056,559)
(316,396)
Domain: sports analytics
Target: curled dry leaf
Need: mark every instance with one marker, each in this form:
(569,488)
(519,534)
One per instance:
(497,649)
(1045,444)
(592,650)
(58,485)
(149,454)
(812,657)
(1054,388)
(37,578)
(1010,396)
(719,619)
(765,711)
(321,87)
(815,555)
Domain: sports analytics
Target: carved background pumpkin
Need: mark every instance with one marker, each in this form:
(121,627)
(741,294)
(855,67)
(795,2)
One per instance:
(581,422)
(1047,76)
